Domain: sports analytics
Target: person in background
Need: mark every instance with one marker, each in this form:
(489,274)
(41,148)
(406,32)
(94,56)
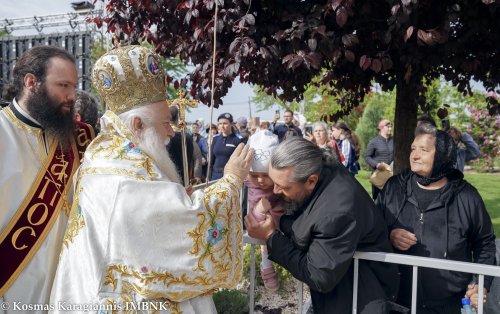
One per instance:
(349,146)
(86,109)
(287,129)
(242,130)
(261,199)
(265,125)
(467,148)
(202,127)
(41,145)
(380,149)
(195,132)
(333,218)
(174,149)
(204,144)
(431,211)
(254,125)
(321,139)
(223,145)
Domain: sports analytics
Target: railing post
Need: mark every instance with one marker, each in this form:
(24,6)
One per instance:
(414,283)
(355,287)
(481,295)
(300,291)
(251,304)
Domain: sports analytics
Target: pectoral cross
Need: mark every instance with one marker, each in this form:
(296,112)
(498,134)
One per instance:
(182,102)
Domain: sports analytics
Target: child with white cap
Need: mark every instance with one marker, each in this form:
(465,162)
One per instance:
(261,199)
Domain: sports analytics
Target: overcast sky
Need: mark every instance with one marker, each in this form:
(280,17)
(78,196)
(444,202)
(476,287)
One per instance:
(236,102)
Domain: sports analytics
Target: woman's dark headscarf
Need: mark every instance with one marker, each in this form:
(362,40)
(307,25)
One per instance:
(445,156)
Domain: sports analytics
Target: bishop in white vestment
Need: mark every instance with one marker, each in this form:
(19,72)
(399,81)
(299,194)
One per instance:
(136,240)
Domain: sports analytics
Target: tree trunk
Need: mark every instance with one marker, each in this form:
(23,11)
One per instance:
(405,121)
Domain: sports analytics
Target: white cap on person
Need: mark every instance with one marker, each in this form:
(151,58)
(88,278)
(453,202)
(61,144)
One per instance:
(264,142)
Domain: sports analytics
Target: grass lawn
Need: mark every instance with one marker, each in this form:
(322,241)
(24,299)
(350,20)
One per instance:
(487,184)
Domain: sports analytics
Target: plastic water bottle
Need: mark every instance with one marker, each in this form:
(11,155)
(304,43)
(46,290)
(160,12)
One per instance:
(466,307)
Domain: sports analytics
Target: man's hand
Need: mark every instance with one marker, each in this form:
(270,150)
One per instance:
(260,230)
(473,294)
(239,163)
(402,239)
(381,166)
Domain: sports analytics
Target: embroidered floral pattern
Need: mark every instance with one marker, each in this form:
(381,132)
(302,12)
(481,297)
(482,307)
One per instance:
(131,148)
(116,143)
(215,234)
(129,290)
(212,241)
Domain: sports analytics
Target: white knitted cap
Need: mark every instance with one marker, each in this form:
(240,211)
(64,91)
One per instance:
(264,142)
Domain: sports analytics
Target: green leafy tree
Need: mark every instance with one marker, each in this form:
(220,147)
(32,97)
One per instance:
(282,45)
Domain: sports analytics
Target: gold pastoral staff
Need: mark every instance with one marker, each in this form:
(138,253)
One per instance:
(182,102)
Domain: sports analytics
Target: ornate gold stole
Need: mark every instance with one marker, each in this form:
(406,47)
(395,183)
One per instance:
(33,220)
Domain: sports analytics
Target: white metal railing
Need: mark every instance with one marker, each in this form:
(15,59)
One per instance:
(417,261)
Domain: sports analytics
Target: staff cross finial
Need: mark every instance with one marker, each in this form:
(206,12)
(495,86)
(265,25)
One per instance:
(182,102)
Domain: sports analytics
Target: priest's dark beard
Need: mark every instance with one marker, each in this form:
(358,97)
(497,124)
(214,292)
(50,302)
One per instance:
(51,116)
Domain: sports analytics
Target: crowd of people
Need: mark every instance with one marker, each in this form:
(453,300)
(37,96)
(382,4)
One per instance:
(97,223)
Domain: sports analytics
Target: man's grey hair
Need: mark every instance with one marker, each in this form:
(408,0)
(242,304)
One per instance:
(305,157)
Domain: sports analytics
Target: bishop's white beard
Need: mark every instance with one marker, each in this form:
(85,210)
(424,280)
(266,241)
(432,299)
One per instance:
(151,143)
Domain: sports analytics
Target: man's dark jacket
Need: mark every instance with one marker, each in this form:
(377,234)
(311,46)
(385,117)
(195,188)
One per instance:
(455,226)
(317,244)
(379,149)
(174,148)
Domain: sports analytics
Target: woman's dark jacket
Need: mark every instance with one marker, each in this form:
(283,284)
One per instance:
(317,245)
(455,226)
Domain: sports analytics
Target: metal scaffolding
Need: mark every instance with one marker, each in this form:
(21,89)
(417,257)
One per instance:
(72,19)
(77,40)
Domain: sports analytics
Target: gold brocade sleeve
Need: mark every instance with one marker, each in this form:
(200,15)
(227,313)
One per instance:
(168,246)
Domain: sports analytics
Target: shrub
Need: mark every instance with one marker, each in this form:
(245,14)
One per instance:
(230,301)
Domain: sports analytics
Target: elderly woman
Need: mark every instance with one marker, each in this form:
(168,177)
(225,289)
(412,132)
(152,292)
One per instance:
(432,211)
(320,138)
